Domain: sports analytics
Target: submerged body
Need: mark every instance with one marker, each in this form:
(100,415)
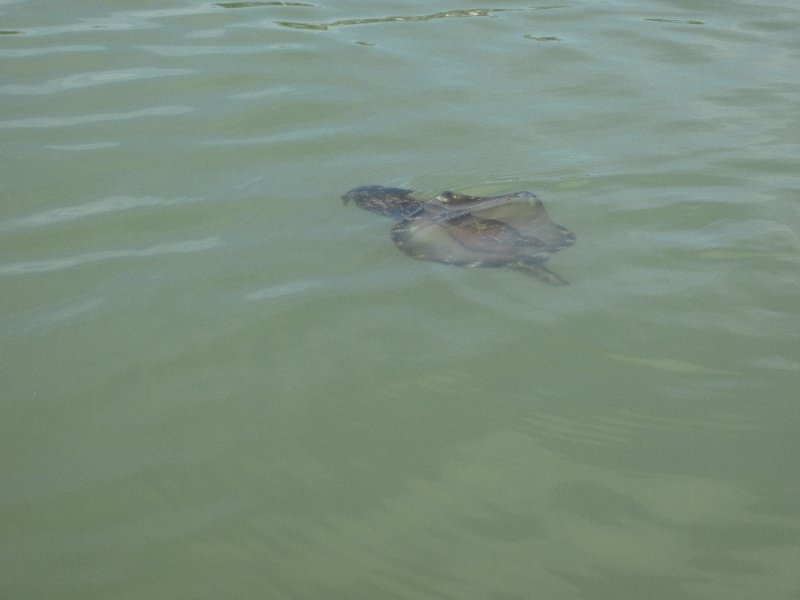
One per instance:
(511,231)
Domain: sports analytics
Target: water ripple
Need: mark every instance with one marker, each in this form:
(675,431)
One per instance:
(118,21)
(259,4)
(82,147)
(82,80)
(47,122)
(88,209)
(207,50)
(67,262)
(277,291)
(459,13)
(23,52)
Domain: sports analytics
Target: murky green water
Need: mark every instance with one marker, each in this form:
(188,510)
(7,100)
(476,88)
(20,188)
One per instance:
(219,382)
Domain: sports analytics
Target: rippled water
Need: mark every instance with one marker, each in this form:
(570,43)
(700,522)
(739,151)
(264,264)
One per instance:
(218,381)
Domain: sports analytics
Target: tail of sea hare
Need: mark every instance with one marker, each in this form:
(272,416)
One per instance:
(539,272)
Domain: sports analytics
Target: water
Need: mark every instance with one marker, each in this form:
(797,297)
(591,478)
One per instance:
(220,382)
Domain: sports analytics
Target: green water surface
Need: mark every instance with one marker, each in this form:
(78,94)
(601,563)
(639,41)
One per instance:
(220,382)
